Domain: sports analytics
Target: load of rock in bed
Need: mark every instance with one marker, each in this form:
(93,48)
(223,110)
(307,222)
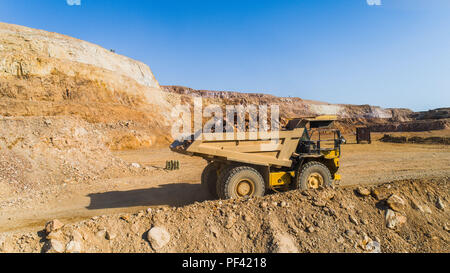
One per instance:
(406,216)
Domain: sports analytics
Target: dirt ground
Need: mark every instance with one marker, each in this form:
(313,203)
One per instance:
(151,186)
(404,216)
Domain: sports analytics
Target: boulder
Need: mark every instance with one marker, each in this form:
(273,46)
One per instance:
(158,237)
(73,247)
(380,193)
(396,203)
(55,246)
(284,244)
(394,220)
(363,191)
(440,204)
(53,225)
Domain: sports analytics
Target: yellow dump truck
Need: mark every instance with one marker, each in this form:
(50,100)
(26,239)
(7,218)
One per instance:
(304,155)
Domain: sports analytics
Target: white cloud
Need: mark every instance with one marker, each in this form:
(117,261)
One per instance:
(74,2)
(374,2)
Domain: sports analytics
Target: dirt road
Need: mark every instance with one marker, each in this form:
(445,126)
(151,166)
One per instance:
(361,164)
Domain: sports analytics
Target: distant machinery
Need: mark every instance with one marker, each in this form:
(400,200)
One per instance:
(363,134)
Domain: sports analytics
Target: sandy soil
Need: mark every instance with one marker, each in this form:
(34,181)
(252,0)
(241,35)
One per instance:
(361,164)
(405,216)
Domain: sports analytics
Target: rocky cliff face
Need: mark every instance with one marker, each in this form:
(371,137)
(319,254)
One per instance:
(41,66)
(295,107)
(49,74)
(27,51)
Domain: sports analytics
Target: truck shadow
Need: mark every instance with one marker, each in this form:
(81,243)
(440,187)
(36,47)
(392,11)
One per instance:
(178,194)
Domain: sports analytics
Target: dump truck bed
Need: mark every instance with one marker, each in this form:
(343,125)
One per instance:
(256,150)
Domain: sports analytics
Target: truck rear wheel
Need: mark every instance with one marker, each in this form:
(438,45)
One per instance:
(313,175)
(241,181)
(209,179)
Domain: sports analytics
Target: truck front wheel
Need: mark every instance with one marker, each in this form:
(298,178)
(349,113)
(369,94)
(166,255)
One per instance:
(313,175)
(241,181)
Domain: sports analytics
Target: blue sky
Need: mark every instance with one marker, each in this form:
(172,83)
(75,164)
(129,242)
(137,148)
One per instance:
(396,54)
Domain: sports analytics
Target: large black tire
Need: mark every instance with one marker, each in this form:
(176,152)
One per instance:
(209,179)
(313,175)
(240,181)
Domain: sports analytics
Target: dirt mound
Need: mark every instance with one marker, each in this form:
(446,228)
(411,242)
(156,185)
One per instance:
(416,139)
(38,152)
(407,216)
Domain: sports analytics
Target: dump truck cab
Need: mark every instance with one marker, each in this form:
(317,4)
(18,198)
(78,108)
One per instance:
(304,154)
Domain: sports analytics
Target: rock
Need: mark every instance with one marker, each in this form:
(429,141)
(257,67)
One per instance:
(310,229)
(101,234)
(135,165)
(422,208)
(353,219)
(415,205)
(340,240)
(2,244)
(54,235)
(389,217)
(396,203)
(446,227)
(264,205)
(76,236)
(55,246)
(319,203)
(230,221)
(284,244)
(440,204)
(365,241)
(214,231)
(110,236)
(350,233)
(326,195)
(373,247)
(53,225)
(380,193)
(275,204)
(363,191)
(158,237)
(283,204)
(134,228)
(394,220)
(126,218)
(73,247)
(427,209)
